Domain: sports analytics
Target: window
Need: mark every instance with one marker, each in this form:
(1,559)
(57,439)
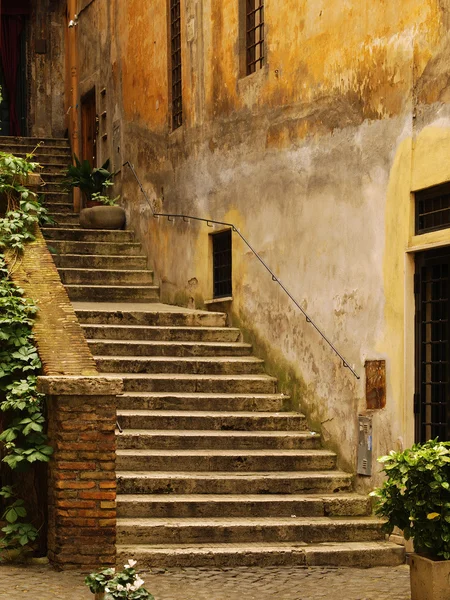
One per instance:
(254,35)
(433,208)
(175,58)
(221,243)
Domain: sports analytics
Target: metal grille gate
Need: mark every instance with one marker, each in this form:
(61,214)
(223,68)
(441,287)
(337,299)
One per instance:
(432,397)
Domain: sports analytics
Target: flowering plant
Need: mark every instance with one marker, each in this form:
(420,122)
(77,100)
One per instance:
(125,585)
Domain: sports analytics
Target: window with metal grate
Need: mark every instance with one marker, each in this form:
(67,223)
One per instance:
(222,264)
(254,30)
(175,57)
(433,208)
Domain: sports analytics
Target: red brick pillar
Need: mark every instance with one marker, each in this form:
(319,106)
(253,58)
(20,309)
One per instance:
(82,471)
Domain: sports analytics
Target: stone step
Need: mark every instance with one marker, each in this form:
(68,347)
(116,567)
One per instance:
(143,506)
(30,145)
(216,384)
(225,460)
(220,440)
(278,482)
(51,198)
(108,277)
(48,156)
(214,365)
(310,530)
(105,293)
(161,334)
(52,187)
(221,421)
(64,219)
(95,261)
(174,349)
(203,402)
(102,248)
(65,208)
(345,554)
(88,235)
(49,177)
(52,167)
(160,315)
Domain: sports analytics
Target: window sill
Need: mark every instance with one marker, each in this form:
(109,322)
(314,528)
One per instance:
(219,300)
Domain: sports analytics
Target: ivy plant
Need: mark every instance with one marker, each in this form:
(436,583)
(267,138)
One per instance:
(23,438)
(416,496)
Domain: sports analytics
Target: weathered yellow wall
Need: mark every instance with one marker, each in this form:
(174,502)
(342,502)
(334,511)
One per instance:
(313,157)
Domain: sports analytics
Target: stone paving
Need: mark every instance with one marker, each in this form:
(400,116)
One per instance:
(265,583)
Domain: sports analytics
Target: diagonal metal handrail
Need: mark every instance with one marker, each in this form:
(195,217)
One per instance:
(210,223)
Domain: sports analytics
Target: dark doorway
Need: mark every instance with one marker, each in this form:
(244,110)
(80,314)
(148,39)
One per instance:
(89,128)
(432,397)
(13,67)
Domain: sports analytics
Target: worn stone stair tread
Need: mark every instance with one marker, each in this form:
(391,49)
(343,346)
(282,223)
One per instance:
(210,414)
(222,452)
(184,523)
(205,395)
(107,271)
(110,256)
(168,343)
(181,359)
(88,285)
(233,475)
(156,307)
(216,433)
(193,377)
(354,554)
(220,498)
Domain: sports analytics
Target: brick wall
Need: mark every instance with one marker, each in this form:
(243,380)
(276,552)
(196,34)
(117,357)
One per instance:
(82,480)
(59,337)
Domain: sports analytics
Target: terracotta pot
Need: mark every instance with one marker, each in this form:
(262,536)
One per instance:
(430,579)
(102,217)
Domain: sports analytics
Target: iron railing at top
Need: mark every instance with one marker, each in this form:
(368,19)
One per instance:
(234,229)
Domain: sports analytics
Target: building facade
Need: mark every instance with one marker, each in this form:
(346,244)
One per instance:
(320,131)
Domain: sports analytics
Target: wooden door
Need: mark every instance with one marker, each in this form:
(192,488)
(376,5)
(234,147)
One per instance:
(89,128)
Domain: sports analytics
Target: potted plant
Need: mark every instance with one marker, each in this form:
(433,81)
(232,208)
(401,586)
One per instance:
(102,211)
(416,499)
(90,180)
(111,585)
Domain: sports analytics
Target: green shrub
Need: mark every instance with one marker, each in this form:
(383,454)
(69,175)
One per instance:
(416,496)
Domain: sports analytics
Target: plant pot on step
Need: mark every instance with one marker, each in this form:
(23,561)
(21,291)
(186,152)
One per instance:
(430,579)
(103,217)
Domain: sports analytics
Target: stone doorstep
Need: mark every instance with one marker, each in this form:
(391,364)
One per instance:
(345,554)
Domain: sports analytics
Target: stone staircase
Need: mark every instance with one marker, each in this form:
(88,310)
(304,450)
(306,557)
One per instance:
(213,469)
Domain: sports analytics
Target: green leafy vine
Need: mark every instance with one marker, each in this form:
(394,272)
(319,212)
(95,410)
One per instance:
(23,438)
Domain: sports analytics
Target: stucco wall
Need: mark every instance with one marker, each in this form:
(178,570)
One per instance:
(46,71)
(313,157)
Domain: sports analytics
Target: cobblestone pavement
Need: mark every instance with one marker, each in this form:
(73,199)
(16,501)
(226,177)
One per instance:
(265,583)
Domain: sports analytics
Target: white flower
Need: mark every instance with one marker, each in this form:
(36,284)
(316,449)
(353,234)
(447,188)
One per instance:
(130,564)
(120,587)
(129,587)
(138,582)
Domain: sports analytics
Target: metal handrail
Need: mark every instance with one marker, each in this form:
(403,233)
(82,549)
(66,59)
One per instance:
(210,223)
